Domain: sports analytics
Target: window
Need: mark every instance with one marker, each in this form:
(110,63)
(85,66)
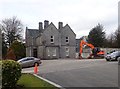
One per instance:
(28,59)
(67,39)
(52,39)
(67,51)
(54,52)
(48,52)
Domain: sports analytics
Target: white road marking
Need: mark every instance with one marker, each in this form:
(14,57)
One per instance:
(56,85)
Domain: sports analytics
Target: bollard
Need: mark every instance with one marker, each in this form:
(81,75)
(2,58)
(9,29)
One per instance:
(36,68)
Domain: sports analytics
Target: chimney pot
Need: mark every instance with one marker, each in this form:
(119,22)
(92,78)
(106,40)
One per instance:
(60,25)
(40,26)
(46,23)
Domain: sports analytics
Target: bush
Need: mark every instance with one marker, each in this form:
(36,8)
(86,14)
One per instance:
(11,72)
(10,54)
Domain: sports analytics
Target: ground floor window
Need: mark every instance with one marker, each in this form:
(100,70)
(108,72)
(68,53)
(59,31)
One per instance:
(54,52)
(67,51)
(51,51)
(48,51)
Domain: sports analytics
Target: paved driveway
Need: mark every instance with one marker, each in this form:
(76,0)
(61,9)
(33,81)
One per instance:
(79,73)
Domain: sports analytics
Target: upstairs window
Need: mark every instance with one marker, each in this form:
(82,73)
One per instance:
(67,39)
(52,39)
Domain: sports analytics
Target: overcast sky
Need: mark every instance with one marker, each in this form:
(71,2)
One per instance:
(81,15)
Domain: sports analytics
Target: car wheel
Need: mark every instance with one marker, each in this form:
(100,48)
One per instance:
(107,60)
(118,58)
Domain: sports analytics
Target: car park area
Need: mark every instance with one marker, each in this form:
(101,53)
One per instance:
(79,73)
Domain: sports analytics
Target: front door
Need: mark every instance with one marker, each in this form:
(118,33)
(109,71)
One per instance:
(35,52)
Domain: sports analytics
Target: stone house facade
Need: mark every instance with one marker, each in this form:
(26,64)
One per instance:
(51,42)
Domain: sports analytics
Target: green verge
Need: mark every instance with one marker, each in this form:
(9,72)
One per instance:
(30,81)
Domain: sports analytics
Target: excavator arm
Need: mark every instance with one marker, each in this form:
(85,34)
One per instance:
(85,43)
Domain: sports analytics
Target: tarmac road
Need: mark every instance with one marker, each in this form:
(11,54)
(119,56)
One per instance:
(79,73)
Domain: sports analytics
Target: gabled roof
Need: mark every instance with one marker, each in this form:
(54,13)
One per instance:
(69,28)
(51,24)
(36,33)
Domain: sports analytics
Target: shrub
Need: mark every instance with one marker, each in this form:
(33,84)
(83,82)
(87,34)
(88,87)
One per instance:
(10,54)
(11,72)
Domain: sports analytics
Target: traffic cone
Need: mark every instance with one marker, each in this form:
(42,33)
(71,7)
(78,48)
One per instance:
(36,68)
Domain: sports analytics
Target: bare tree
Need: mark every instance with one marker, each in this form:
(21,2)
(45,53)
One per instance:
(110,42)
(12,29)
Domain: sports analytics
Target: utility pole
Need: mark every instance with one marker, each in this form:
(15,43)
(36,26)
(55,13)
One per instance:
(0,44)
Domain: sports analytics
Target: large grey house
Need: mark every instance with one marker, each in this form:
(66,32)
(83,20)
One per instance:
(51,42)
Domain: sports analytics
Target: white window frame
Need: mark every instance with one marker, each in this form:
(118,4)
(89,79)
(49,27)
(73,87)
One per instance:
(52,38)
(54,52)
(48,51)
(67,39)
(67,51)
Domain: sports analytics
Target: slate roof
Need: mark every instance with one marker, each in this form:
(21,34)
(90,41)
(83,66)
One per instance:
(33,32)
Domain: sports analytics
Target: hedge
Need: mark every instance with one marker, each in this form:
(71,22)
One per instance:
(11,72)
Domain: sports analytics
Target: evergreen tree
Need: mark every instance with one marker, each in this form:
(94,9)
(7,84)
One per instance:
(19,49)
(97,36)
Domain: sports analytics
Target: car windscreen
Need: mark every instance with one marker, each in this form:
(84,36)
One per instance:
(115,53)
(21,59)
(25,59)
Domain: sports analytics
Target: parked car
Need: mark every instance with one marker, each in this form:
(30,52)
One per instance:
(112,56)
(29,62)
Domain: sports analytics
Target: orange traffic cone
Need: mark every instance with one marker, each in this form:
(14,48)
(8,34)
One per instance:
(36,69)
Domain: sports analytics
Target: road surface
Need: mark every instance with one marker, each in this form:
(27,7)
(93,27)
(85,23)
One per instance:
(79,73)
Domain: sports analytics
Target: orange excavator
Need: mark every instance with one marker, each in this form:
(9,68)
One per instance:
(96,52)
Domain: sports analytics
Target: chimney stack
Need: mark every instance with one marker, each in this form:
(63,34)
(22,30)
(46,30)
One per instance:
(60,25)
(40,26)
(46,23)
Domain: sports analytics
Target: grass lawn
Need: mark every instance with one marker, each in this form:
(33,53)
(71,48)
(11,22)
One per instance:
(30,81)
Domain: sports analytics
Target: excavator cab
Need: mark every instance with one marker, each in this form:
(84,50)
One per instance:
(97,53)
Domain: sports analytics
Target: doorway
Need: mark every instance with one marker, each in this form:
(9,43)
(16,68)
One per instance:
(35,52)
